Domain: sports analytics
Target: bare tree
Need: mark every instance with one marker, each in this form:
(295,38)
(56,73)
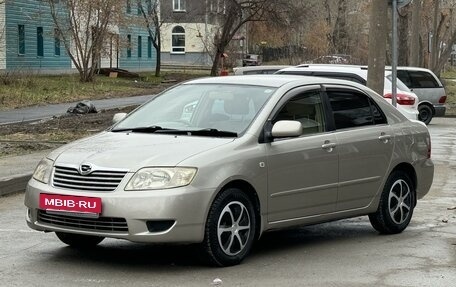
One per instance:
(415,34)
(153,23)
(82,26)
(377,45)
(234,15)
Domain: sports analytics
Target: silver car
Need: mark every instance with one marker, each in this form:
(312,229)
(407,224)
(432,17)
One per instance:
(220,161)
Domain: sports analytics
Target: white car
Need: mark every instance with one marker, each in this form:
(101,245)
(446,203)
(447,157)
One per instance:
(255,70)
(407,101)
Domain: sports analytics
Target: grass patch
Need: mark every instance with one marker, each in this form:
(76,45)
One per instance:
(21,90)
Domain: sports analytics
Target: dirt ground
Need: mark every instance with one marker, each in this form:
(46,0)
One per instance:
(29,137)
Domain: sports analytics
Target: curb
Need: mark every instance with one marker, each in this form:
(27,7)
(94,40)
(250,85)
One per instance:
(14,184)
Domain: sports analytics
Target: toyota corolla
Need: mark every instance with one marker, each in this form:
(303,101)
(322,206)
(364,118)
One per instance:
(220,161)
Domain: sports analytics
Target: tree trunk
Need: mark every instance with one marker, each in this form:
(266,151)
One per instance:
(415,47)
(340,35)
(403,30)
(158,57)
(377,45)
(435,37)
(215,63)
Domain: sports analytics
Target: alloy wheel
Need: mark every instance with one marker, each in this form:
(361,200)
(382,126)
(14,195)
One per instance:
(233,228)
(399,201)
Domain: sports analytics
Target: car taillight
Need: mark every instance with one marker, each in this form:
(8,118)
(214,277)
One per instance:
(442,100)
(402,99)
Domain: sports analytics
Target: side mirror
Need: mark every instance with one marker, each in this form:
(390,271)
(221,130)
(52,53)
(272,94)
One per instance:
(118,117)
(285,129)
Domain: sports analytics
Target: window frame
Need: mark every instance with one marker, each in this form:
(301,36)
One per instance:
(39,42)
(139,44)
(57,43)
(179,6)
(21,39)
(149,47)
(129,46)
(173,34)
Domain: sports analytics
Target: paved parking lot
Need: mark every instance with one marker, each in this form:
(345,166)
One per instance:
(342,253)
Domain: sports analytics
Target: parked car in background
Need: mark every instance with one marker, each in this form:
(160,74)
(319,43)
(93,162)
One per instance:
(251,60)
(332,59)
(219,161)
(429,89)
(254,70)
(407,102)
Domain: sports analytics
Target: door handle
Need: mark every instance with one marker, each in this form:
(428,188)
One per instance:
(328,146)
(384,138)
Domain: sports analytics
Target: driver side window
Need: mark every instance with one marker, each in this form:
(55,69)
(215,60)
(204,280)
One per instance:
(307,108)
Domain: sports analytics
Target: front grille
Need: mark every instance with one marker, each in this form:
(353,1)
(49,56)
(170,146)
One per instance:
(105,224)
(68,177)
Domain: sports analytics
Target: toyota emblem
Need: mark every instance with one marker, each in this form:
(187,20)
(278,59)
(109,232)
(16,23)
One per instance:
(85,169)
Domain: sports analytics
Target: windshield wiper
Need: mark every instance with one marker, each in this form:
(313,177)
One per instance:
(209,132)
(149,129)
(213,133)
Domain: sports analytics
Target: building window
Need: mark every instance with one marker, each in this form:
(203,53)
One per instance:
(178,40)
(149,47)
(179,5)
(128,46)
(139,46)
(39,42)
(21,39)
(128,6)
(56,42)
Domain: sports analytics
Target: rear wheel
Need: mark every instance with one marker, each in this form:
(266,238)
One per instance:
(78,240)
(425,114)
(396,204)
(230,228)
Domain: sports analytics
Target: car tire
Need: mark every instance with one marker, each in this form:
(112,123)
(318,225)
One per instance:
(230,228)
(425,114)
(78,240)
(396,205)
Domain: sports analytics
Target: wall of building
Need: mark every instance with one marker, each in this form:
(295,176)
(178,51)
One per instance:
(32,14)
(195,47)
(2,37)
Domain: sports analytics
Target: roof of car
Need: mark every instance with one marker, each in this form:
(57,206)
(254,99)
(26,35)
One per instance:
(275,80)
(261,67)
(409,68)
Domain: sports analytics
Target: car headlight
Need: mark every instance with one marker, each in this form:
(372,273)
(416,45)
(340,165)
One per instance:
(43,170)
(161,178)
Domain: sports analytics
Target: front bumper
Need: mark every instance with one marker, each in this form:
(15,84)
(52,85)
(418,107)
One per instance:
(186,207)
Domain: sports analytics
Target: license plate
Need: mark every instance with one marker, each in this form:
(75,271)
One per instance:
(70,203)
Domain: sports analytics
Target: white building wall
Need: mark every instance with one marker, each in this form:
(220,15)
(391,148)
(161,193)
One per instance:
(2,37)
(195,36)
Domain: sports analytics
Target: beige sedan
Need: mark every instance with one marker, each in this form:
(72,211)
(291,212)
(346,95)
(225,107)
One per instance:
(220,161)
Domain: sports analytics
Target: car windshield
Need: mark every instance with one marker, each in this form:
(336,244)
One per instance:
(199,109)
(400,85)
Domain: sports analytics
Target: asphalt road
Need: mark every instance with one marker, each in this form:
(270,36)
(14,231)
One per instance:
(342,253)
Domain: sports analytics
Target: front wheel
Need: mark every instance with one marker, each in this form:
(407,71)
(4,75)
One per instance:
(230,228)
(78,240)
(396,205)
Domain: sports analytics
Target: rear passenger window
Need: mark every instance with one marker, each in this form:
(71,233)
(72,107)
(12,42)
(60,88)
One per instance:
(422,80)
(352,109)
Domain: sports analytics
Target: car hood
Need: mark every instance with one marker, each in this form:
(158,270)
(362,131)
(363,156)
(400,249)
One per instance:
(132,151)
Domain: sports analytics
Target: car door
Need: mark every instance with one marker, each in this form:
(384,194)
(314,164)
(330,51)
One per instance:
(302,171)
(364,143)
